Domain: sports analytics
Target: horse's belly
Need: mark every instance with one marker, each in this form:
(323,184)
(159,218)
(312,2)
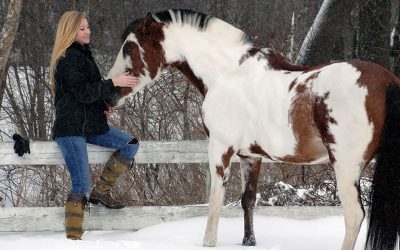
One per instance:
(307,152)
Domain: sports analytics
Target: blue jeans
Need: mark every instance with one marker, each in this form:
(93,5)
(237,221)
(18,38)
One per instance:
(75,154)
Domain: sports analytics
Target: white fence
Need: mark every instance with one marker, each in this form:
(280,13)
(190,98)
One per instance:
(99,218)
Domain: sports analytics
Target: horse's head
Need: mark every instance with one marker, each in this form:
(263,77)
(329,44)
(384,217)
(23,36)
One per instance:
(141,54)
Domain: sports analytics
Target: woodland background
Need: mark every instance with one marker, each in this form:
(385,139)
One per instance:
(171,109)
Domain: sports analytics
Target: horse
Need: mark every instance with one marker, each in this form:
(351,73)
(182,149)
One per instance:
(257,105)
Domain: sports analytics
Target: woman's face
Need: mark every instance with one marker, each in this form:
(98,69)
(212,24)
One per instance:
(83,35)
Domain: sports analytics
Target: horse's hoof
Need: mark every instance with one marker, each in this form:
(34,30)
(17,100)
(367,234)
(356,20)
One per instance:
(208,244)
(210,238)
(249,240)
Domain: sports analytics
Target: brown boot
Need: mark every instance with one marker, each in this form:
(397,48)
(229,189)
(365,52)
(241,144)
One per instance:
(115,167)
(74,210)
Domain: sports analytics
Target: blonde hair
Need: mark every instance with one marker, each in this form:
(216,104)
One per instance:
(67,30)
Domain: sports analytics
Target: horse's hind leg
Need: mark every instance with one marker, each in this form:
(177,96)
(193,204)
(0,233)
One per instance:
(219,160)
(348,179)
(250,169)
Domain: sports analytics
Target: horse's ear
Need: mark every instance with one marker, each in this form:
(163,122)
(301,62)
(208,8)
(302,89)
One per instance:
(146,23)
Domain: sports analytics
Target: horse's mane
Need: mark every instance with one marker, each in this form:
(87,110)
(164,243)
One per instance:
(196,19)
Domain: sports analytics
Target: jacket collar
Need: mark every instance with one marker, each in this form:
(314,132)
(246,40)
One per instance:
(85,49)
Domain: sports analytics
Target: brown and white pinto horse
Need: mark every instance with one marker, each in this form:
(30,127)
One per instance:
(258,105)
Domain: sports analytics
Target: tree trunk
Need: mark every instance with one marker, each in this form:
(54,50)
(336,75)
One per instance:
(7,37)
(374,36)
(395,46)
(318,45)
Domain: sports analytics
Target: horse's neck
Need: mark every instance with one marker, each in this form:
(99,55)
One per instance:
(208,53)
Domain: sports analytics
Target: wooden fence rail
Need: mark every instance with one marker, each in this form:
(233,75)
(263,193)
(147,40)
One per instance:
(52,218)
(48,153)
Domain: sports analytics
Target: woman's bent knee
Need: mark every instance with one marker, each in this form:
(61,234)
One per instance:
(130,150)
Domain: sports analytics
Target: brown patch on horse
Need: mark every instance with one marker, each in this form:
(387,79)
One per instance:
(309,146)
(250,53)
(322,120)
(376,79)
(198,83)
(131,49)
(138,66)
(220,171)
(125,91)
(292,84)
(187,71)
(256,149)
(149,35)
(310,78)
(249,199)
(226,158)
(278,62)
(150,42)
(154,57)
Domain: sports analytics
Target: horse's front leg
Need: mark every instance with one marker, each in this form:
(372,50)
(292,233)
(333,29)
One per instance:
(219,161)
(250,170)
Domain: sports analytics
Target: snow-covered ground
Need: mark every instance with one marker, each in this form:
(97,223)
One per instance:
(272,233)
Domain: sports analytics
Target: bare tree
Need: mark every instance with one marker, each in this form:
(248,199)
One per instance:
(395,46)
(7,37)
(374,33)
(321,38)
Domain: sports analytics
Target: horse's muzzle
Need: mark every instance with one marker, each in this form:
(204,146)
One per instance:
(114,98)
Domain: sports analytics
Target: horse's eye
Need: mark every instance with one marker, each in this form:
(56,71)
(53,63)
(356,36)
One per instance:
(127,48)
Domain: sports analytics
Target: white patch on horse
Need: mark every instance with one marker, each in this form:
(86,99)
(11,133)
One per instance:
(119,66)
(217,192)
(186,42)
(262,97)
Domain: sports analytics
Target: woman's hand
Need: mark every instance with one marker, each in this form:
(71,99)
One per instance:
(109,110)
(125,80)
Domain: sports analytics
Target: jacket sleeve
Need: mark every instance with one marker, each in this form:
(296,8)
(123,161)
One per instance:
(76,79)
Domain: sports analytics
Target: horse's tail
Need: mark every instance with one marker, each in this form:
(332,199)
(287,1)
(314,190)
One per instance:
(384,218)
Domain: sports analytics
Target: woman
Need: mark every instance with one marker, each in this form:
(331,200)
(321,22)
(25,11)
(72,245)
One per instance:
(81,108)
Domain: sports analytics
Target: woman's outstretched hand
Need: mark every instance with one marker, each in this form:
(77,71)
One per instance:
(125,80)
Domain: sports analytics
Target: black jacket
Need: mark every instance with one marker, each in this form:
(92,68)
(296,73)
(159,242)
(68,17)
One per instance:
(80,94)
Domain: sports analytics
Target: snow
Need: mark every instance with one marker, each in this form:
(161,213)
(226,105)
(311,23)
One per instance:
(272,233)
